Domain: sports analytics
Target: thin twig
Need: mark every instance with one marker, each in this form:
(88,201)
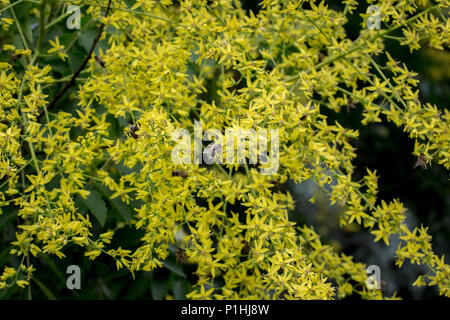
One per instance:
(78,71)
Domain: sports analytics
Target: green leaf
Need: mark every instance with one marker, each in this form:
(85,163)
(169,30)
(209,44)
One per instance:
(180,289)
(46,291)
(116,203)
(97,206)
(137,288)
(87,38)
(4,256)
(6,293)
(122,208)
(159,288)
(7,218)
(26,26)
(76,57)
(174,267)
(52,265)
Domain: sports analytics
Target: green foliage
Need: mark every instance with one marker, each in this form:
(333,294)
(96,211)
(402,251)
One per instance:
(86,124)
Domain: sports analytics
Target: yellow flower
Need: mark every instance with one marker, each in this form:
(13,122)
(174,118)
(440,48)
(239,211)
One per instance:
(58,48)
(22,283)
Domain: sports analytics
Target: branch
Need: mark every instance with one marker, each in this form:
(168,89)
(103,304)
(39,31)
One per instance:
(78,71)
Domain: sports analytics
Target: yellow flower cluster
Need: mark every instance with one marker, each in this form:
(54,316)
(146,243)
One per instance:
(161,59)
